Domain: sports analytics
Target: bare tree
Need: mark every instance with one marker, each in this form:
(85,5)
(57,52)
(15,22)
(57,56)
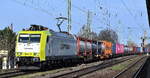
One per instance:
(109,35)
(85,32)
(7,42)
(131,43)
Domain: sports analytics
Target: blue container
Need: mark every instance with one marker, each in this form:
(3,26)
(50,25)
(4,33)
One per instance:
(145,50)
(139,49)
(114,49)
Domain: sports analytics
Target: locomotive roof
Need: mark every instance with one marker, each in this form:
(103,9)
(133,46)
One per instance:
(62,34)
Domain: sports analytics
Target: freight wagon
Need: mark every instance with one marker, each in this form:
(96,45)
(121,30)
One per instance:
(117,49)
(104,49)
(139,49)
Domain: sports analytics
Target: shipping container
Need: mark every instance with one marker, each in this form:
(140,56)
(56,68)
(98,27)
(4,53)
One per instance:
(134,50)
(100,48)
(107,44)
(118,48)
(130,49)
(107,48)
(126,49)
(104,49)
(86,47)
(139,49)
(146,50)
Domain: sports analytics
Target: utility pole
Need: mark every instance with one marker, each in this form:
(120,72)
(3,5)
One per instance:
(89,21)
(144,38)
(69,16)
(130,33)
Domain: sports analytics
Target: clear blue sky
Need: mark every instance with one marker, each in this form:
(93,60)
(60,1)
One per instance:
(120,14)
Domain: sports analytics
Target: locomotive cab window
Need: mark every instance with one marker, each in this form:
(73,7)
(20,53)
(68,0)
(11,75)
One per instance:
(24,38)
(32,38)
(35,38)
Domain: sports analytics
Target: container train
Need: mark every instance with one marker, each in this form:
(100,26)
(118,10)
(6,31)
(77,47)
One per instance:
(40,47)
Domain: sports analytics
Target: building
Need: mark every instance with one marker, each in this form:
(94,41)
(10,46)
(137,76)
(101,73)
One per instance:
(3,59)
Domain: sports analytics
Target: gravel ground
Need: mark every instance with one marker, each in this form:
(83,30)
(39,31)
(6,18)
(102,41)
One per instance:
(129,73)
(114,70)
(145,71)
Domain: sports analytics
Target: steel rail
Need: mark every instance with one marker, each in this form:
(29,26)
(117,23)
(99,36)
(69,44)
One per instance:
(126,69)
(136,74)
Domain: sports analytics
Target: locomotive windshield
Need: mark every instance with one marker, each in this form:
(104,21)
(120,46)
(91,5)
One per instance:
(35,38)
(29,38)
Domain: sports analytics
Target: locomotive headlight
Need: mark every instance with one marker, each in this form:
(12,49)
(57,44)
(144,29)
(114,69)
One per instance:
(18,53)
(36,59)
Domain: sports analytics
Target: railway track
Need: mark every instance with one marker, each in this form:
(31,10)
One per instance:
(124,73)
(13,73)
(82,72)
(143,71)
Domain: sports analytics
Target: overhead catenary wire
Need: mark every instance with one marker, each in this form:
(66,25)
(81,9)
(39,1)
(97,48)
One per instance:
(39,8)
(106,12)
(84,11)
(35,8)
(130,12)
(74,6)
(32,4)
(126,8)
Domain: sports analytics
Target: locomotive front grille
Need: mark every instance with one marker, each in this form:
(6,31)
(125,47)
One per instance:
(27,59)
